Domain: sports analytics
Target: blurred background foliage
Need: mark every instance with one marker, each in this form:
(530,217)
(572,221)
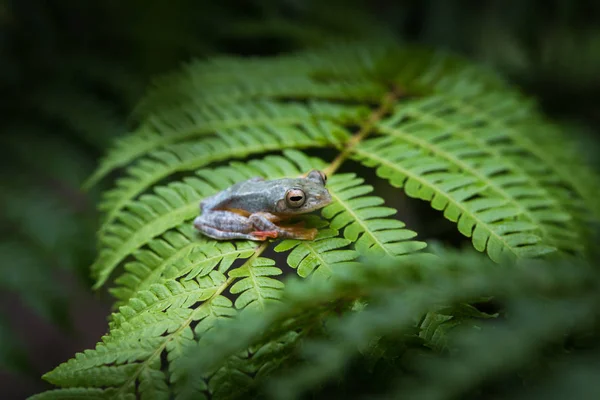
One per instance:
(72,71)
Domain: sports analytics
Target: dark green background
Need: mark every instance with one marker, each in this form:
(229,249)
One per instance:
(71,72)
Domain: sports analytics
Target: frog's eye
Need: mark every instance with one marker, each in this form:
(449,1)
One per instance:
(295,198)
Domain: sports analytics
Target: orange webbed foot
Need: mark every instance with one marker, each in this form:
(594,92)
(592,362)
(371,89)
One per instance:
(264,235)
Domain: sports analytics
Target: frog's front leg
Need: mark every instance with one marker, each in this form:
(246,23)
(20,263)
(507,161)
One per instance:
(265,224)
(225,225)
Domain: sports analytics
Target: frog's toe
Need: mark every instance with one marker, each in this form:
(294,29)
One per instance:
(301,233)
(264,235)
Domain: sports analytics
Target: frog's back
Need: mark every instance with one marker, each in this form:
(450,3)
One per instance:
(251,196)
(255,196)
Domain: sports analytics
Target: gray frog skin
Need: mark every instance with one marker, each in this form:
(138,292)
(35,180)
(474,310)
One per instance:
(253,208)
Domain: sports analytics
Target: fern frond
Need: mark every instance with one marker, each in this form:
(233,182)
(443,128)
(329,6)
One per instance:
(550,154)
(404,292)
(132,358)
(325,357)
(160,297)
(540,150)
(213,95)
(338,63)
(318,257)
(150,265)
(153,383)
(436,325)
(365,221)
(491,222)
(182,124)
(256,288)
(418,131)
(293,75)
(550,145)
(228,145)
(175,254)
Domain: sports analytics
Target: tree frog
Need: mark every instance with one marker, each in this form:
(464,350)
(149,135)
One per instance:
(253,208)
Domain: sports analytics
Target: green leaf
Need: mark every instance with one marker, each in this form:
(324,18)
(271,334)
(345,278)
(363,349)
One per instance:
(365,221)
(319,256)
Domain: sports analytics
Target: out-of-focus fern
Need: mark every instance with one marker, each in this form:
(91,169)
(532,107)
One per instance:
(443,130)
(398,296)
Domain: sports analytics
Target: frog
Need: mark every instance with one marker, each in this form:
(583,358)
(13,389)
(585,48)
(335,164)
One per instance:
(257,209)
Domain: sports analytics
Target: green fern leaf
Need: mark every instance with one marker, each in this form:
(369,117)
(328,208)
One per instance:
(153,382)
(342,69)
(167,128)
(319,256)
(178,253)
(138,341)
(491,222)
(569,177)
(101,376)
(230,144)
(150,265)
(436,325)
(160,297)
(256,288)
(177,348)
(365,221)
(185,112)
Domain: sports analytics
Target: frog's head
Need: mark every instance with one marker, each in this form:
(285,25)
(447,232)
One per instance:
(303,195)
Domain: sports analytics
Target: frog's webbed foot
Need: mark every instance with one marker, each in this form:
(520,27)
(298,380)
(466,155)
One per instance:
(264,222)
(264,235)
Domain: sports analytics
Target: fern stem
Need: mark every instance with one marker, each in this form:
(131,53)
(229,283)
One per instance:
(386,105)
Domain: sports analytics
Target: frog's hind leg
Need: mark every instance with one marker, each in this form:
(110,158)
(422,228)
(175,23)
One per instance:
(225,225)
